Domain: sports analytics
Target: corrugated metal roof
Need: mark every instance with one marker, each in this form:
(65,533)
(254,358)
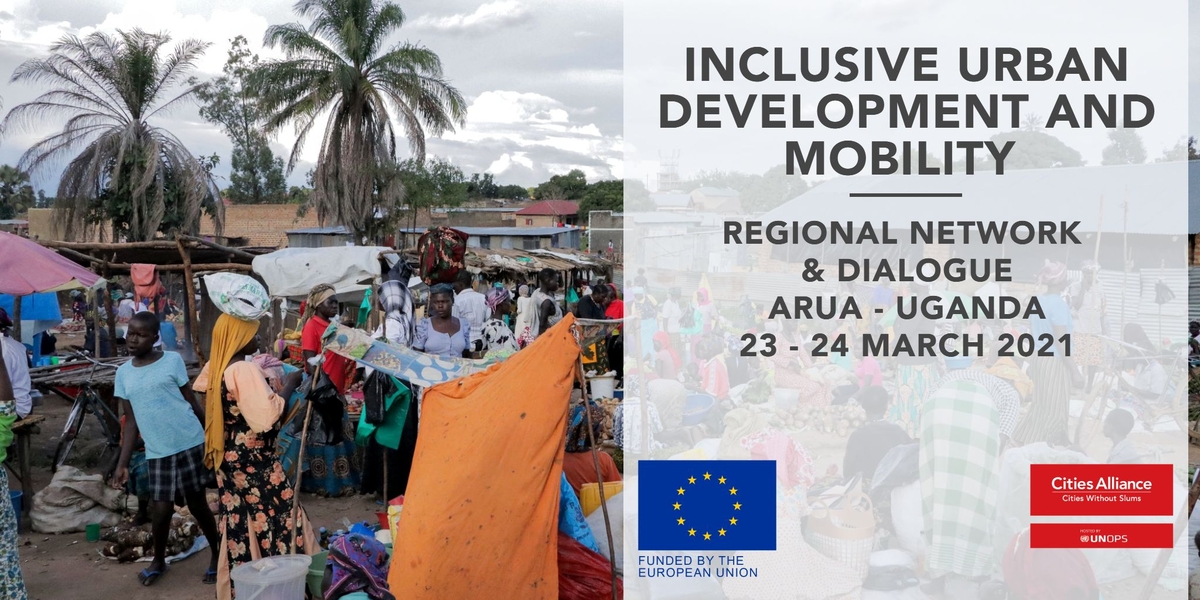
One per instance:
(1155,193)
(550,207)
(509,231)
(335,230)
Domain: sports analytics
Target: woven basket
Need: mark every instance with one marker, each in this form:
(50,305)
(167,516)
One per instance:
(845,534)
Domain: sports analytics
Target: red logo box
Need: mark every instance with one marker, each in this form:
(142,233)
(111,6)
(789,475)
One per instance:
(1101,490)
(1102,535)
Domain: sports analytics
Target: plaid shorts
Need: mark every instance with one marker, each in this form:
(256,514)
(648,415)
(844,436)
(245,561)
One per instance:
(172,477)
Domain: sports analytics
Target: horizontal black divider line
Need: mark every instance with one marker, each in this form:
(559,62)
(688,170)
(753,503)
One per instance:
(905,195)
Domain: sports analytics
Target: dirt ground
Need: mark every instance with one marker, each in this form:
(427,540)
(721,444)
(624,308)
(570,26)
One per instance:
(66,567)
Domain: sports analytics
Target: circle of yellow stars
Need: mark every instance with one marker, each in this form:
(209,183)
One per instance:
(679,506)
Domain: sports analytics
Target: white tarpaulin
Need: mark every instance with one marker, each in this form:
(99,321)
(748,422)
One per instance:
(292,272)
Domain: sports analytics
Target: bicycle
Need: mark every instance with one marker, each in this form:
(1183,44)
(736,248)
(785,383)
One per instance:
(88,400)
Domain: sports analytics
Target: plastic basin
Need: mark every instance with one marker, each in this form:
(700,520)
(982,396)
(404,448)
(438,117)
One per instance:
(272,578)
(316,574)
(696,408)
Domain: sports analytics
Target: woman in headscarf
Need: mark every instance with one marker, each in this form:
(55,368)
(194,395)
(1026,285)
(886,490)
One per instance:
(12,584)
(1053,375)
(241,414)
(578,464)
(666,360)
(320,308)
(441,333)
(959,464)
(397,304)
(330,462)
(708,310)
(498,339)
(524,315)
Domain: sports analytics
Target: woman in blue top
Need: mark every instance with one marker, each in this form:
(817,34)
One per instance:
(440,333)
(1053,376)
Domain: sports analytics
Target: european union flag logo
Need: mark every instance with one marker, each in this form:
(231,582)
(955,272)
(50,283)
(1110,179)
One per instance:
(706,505)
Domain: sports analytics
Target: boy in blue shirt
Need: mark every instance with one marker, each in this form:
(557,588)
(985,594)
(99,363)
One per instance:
(154,391)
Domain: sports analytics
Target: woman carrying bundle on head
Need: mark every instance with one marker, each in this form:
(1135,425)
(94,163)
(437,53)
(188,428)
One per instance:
(241,417)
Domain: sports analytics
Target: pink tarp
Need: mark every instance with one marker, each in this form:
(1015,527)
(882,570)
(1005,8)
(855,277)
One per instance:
(27,268)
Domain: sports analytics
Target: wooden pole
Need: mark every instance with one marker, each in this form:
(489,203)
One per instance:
(110,312)
(299,476)
(231,251)
(96,320)
(383,321)
(16,318)
(191,299)
(612,552)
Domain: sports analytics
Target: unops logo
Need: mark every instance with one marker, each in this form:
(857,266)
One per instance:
(1104,539)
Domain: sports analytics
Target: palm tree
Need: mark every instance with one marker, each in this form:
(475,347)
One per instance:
(108,88)
(339,65)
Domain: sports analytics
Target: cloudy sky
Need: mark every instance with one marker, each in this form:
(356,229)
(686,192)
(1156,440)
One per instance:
(543,78)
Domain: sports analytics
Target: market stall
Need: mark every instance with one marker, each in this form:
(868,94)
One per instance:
(185,256)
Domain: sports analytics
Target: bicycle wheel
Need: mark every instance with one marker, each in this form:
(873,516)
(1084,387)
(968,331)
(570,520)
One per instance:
(74,422)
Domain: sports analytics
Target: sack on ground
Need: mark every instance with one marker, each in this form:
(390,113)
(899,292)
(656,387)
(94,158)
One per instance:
(74,499)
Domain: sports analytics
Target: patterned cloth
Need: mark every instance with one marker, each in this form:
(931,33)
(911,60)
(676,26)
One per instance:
(333,470)
(397,305)
(359,563)
(255,497)
(959,457)
(498,339)
(570,517)
(913,383)
(627,425)
(418,368)
(12,584)
(1047,419)
(178,475)
(1008,402)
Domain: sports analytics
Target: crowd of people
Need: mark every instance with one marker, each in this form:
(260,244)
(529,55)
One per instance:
(236,426)
(957,416)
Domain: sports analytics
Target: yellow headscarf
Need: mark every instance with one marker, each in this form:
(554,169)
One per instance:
(1008,370)
(229,336)
(320,293)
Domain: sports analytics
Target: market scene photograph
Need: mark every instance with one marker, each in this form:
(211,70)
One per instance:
(400,299)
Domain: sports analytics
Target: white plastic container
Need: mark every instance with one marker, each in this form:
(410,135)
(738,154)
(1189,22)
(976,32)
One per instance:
(603,386)
(272,578)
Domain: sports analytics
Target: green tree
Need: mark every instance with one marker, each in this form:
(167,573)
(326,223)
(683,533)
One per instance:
(435,183)
(1182,150)
(483,186)
(16,195)
(603,195)
(512,192)
(1032,150)
(1125,147)
(571,186)
(771,189)
(108,89)
(636,197)
(256,174)
(339,65)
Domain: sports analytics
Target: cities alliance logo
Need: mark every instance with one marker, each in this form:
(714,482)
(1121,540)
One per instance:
(706,505)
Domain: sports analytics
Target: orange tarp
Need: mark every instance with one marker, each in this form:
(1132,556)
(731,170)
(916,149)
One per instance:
(480,518)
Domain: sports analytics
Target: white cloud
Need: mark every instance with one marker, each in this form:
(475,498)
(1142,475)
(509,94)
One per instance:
(487,17)
(532,132)
(507,161)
